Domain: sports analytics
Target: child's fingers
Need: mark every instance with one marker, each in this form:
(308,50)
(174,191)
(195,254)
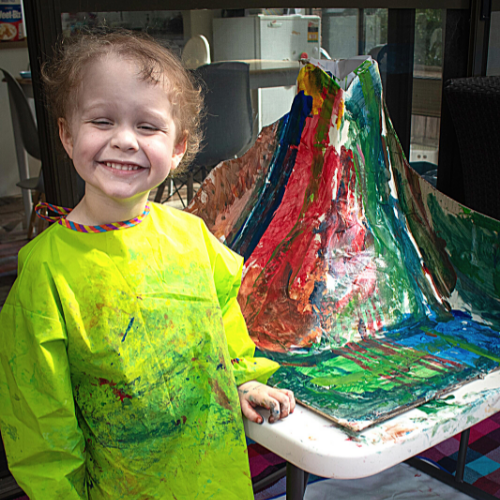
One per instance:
(278,406)
(279,402)
(271,404)
(291,397)
(274,408)
(284,401)
(249,412)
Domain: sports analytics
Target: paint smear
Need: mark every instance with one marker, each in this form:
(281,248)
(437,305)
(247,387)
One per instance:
(373,290)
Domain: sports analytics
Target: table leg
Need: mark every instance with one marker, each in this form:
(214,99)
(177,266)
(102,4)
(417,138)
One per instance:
(296,482)
(462,455)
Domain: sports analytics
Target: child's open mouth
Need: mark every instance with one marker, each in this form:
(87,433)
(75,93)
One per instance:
(121,166)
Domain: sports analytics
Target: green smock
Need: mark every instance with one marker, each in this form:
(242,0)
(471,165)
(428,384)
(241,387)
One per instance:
(120,355)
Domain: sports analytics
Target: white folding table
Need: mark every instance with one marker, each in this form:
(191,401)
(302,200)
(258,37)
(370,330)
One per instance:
(313,444)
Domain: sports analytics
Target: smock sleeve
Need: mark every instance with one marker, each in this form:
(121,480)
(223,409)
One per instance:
(227,267)
(43,442)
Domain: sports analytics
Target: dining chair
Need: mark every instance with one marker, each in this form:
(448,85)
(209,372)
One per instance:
(24,121)
(227,124)
(196,52)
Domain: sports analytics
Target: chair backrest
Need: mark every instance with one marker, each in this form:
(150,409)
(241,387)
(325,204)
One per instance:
(380,54)
(196,52)
(228,123)
(29,131)
(474,106)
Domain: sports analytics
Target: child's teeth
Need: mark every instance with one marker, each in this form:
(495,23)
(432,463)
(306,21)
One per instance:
(118,166)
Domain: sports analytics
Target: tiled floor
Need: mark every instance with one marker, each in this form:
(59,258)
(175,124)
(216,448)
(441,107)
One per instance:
(11,218)
(12,238)
(482,467)
(400,482)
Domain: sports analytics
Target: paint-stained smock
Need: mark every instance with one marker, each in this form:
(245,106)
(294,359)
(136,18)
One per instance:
(120,355)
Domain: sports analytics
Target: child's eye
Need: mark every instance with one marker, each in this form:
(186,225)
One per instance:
(148,128)
(101,122)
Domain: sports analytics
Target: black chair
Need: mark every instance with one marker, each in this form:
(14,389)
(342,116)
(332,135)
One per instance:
(474,106)
(22,115)
(227,125)
(380,54)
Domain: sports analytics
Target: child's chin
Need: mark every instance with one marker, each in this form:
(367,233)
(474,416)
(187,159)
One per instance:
(126,195)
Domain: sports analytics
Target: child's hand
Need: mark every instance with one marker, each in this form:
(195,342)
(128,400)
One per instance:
(280,402)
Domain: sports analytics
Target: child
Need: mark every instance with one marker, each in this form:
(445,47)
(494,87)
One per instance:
(122,342)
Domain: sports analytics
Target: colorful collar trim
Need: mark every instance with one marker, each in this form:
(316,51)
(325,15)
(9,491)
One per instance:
(42,212)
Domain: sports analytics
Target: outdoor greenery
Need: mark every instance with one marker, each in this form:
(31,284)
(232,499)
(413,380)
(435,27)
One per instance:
(428,37)
(428,33)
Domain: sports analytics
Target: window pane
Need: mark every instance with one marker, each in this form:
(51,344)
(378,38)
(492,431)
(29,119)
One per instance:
(339,28)
(427,88)
(374,29)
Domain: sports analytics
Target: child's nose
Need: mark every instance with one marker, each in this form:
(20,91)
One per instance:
(125,139)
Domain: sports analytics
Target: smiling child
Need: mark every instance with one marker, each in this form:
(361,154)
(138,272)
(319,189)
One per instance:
(125,362)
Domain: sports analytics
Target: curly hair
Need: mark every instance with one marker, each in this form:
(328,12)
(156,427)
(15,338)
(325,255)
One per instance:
(62,76)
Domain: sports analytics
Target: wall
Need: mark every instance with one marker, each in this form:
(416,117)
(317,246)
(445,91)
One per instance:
(13,60)
(199,22)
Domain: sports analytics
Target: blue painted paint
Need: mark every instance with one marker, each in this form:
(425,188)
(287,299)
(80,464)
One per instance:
(128,329)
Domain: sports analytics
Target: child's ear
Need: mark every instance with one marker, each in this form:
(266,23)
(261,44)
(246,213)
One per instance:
(65,136)
(178,152)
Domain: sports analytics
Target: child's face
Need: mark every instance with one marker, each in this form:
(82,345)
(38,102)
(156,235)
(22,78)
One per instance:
(122,137)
